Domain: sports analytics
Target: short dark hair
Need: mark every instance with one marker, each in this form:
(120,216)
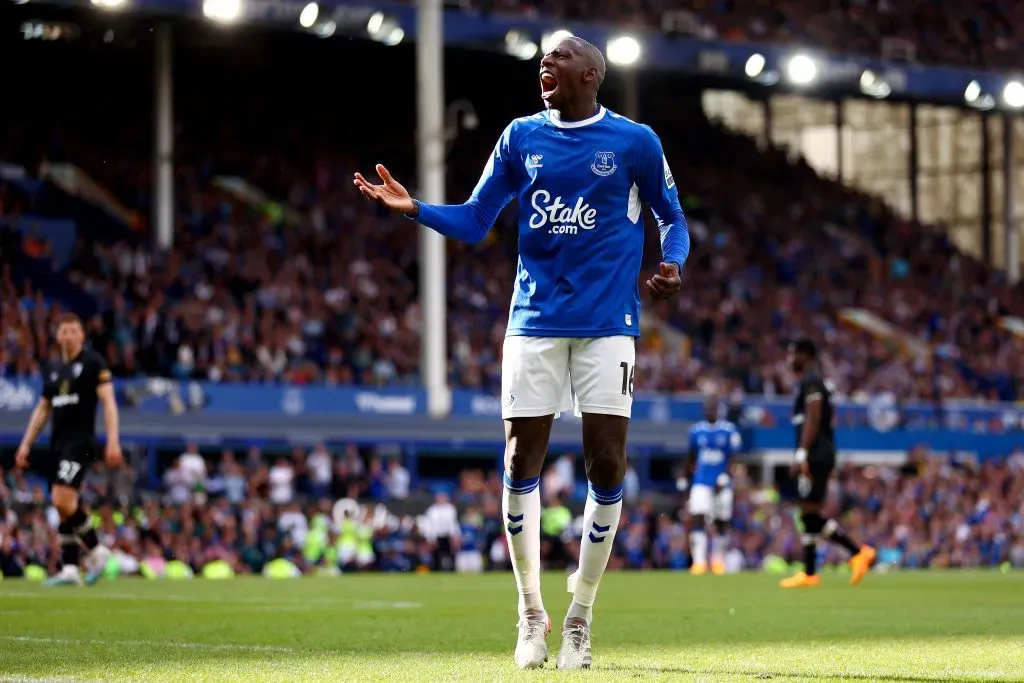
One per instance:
(805,346)
(593,54)
(70,319)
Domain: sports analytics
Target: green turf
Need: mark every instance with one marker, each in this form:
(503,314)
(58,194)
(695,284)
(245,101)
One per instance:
(896,627)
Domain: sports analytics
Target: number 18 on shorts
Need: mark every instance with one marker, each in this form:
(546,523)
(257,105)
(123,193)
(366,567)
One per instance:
(550,375)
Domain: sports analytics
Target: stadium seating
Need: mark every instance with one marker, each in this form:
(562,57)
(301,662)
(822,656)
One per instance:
(250,295)
(975,33)
(935,512)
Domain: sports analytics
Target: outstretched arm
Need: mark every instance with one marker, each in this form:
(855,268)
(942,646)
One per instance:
(468,222)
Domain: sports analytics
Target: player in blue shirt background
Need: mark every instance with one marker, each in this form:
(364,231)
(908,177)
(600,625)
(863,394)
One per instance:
(713,443)
(580,172)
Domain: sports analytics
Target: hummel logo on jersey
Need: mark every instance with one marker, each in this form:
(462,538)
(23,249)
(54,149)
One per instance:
(560,218)
(533,161)
(604,163)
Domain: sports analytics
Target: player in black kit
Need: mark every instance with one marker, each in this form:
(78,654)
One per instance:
(71,391)
(813,464)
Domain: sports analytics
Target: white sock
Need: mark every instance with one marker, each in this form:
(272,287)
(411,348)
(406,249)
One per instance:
(520,505)
(600,522)
(699,547)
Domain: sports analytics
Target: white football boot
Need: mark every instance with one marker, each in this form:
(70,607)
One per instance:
(67,576)
(532,646)
(575,653)
(97,564)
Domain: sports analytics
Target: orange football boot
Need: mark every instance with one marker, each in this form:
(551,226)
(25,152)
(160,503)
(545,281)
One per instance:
(801,580)
(861,563)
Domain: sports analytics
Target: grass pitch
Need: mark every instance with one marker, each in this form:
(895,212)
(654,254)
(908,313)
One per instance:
(917,627)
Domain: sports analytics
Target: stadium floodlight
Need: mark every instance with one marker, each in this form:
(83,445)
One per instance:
(972,92)
(325,29)
(384,29)
(755,65)
(549,40)
(975,97)
(872,85)
(520,46)
(376,23)
(801,69)
(222,11)
(1013,94)
(623,50)
(309,14)
(109,4)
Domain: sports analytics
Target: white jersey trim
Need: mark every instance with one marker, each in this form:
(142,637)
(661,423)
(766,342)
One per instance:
(634,209)
(555,117)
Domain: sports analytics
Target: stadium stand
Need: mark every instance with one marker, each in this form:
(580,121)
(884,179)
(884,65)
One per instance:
(983,33)
(777,251)
(250,509)
(249,294)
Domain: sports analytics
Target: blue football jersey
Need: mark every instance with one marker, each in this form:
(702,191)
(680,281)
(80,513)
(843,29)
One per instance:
(581,232)
(715,443)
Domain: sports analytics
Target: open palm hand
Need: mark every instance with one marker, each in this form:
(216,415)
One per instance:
(390,194)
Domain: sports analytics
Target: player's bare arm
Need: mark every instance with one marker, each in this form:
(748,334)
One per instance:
(390,193)
(36,424)
(686,471)
(812,424)
(111,423)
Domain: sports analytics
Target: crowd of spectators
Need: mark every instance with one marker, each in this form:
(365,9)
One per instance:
(776,252)
(249,509)
(318,286)
(978,32)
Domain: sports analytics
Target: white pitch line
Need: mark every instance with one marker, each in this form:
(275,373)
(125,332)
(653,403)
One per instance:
(285,604)
(103,595)
(29,679)
(181,645)
(378,604)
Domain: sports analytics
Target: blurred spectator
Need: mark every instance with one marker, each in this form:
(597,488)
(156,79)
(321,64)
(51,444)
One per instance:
(442,522)
(178,483)
(193,467)
(397,480)
(281,479)
(321,468)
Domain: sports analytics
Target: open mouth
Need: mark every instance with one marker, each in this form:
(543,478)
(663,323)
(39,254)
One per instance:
(548,84)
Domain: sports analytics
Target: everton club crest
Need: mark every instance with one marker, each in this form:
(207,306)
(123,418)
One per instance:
(604,163)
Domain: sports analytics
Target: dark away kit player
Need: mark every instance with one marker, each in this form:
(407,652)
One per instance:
(71,390)
(813,464)
(580,172)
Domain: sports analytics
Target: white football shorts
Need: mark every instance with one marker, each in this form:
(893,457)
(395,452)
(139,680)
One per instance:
(704,502)
(550,375)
